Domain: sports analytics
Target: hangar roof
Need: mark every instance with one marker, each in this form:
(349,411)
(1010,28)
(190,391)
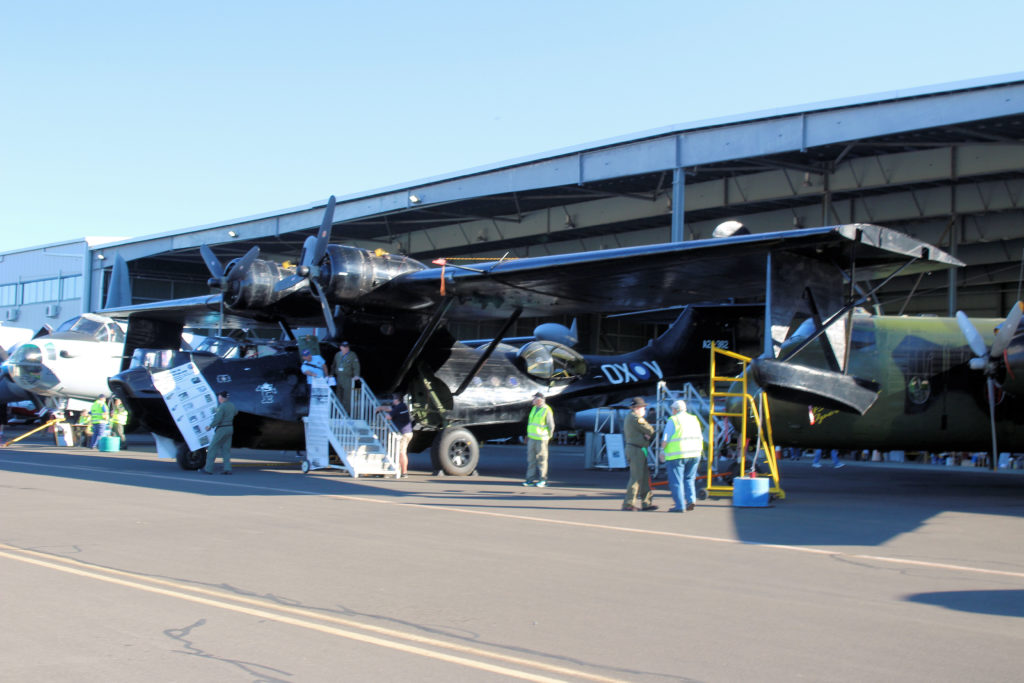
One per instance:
(936,162)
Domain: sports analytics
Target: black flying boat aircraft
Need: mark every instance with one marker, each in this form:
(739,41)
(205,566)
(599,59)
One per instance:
(394,311)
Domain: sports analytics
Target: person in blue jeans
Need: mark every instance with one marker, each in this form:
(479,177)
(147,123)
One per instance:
(681,446)
(835,458)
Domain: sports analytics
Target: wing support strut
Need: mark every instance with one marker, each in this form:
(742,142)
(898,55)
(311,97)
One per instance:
(417,348)
(843,311)
(489,350)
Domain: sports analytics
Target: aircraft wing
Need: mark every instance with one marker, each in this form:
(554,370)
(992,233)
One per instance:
(606,281)
(197,312)
(634,278)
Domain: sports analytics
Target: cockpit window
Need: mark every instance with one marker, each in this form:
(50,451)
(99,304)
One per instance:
(219,346)
(154,359)
(100,329)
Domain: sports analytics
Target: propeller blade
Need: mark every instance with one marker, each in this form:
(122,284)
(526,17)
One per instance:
(211,261)
(308,249)
(1006,331)
(241,267)
(971,334)
(323,236)
(332,329)
(992,419)
(288,283)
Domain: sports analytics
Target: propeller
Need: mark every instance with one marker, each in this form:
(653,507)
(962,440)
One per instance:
(990,359)
(219,279)
(309,269)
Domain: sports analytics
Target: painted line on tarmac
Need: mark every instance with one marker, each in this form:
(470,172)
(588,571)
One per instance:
(563,522)
(304,618)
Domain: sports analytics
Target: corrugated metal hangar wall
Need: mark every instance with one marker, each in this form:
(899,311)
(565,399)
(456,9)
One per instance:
(945,165)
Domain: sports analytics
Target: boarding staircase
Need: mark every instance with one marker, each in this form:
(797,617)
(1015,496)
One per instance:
(696,404)
(366,442)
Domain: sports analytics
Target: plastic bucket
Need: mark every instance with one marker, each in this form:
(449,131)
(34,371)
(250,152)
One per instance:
(109,444)
(750,492)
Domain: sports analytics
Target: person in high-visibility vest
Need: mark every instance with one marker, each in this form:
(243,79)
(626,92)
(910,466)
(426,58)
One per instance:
(118,419)
(681,446)
(540,425)
(83,430)
(99,416)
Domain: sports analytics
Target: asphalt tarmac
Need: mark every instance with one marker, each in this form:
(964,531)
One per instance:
(121,566)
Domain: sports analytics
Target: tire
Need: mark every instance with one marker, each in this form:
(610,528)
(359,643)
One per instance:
(305,466)
(190,460)
(456,452)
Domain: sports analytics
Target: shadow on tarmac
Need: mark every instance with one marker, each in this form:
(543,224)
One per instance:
(862,504)
(866,504)
(1004,603)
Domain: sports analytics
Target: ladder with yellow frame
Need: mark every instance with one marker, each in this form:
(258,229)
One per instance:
(721,391)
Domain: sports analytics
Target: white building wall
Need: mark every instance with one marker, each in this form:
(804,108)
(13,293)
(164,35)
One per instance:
(44,285)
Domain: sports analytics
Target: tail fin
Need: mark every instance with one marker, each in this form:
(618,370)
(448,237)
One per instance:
(119,292)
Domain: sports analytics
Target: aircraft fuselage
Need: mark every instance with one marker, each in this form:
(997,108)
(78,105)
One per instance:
(929,399)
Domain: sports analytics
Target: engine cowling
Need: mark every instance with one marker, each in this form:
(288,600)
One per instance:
(256,290)
(353,272)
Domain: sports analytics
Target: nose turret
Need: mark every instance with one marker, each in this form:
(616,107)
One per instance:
(27,370)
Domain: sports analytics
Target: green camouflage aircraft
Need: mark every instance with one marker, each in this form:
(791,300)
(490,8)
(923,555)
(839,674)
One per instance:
(939,385)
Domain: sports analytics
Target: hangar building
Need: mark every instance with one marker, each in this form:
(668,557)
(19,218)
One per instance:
(944,164)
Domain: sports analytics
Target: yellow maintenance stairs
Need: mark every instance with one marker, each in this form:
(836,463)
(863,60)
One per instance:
(725,393)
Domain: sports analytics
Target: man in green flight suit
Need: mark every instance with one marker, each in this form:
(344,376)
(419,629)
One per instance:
(345,367)
(223,429)
(637,433)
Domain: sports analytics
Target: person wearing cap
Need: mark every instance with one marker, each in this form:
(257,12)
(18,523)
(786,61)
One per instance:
(540,425)
(398,413)
(99,416)
(344,369)
(637,433)
(222,424)
(681,446)
(313,365)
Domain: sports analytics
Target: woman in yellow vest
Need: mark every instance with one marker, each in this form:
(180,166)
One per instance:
(681,446)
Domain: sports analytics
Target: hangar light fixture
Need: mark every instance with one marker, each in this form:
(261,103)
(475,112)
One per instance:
(232,233)
(413,199)
(100,256)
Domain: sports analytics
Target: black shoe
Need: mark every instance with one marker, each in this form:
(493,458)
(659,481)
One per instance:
(648,508)
(674,510)
(225,472)
(690,506)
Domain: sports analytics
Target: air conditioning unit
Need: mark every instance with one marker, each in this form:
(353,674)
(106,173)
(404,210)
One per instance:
(52,310)
(11,314)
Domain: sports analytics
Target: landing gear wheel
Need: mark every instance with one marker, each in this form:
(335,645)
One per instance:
(456,452)
(702,493)
(190,460)
(305,466)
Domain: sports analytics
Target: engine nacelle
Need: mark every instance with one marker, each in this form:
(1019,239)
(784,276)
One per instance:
(256,290)
(354,272)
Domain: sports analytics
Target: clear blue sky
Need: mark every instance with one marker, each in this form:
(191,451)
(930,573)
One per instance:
(128,118)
